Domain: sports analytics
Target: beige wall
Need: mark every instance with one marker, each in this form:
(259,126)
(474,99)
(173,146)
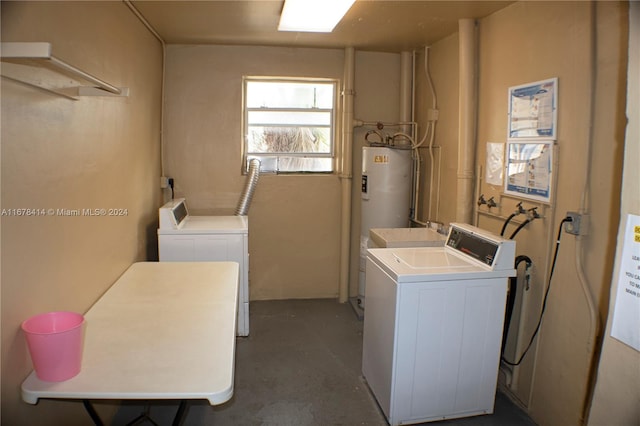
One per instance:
(377,98)
(294,228)
(616,398)
(443,68)
(104,152)
(526,42)
(57,153)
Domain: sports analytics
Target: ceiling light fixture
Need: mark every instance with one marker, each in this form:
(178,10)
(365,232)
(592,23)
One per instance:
(316,16)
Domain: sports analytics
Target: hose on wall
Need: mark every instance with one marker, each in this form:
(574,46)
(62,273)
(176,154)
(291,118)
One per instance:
(250,187)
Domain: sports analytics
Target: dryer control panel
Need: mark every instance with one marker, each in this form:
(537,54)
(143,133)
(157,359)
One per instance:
(172,214)
(481,245)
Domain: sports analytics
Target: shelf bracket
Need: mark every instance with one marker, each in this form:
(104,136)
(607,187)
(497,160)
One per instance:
(30,54)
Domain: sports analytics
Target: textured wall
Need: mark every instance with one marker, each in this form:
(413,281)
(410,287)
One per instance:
(94,153)
(523,43)
(616,399)
(294,230)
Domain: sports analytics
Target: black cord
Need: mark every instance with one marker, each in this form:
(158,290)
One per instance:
(506,222)
(171,186)
(546,294)
(511,300)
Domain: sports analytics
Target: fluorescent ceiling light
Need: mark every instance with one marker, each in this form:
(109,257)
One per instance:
(316,16)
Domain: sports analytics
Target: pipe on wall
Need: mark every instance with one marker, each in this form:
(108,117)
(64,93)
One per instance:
(407,67)
(595,323)
(346,171)
(152,30)
(467,119)
(406,89)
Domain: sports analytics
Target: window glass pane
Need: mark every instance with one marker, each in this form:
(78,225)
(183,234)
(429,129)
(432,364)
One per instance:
(289,124)
(283,164)
(289,117)
(269,94)
(288,139)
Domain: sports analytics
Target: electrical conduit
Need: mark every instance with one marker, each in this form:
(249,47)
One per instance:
(594,315)
(148,26)
(431,129)
(430,133)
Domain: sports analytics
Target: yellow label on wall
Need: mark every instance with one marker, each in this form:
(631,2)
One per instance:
(381,159)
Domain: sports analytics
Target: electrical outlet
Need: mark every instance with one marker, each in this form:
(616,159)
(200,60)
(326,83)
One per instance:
(164,182)
(578,224)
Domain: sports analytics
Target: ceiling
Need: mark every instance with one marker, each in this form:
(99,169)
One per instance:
(374,25)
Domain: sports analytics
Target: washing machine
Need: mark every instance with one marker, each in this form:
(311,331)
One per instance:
(182,237)
(405,237)
(433,328)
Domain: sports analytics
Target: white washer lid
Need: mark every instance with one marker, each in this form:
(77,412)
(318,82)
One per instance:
(419,264)
(406,237)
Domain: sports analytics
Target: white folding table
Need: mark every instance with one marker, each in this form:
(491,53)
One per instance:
(164,330)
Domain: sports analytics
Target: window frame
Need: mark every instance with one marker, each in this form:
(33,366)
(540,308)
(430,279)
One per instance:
(333,124)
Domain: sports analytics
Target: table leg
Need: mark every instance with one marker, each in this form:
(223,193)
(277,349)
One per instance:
(182,408)
(92,412)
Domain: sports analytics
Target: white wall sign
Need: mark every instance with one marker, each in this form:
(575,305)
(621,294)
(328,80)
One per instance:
(626,315)
(529,169)
(533,110)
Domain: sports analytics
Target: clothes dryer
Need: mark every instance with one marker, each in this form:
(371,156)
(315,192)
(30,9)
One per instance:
(186,238)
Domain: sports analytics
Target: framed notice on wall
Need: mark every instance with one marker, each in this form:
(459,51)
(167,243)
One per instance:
(626,314)
(528,169)
(533,110)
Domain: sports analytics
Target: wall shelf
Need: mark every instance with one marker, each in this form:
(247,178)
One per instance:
(33,64)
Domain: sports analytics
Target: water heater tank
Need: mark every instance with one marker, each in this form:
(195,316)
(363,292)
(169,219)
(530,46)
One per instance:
(386,196)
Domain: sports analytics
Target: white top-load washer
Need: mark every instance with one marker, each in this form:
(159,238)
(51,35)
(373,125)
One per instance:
(405,237)
(186,238)
(433,328)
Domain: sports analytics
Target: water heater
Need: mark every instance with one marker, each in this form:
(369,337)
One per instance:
(386,196)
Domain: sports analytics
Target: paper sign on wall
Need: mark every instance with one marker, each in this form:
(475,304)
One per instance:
(495,163)
(626,315)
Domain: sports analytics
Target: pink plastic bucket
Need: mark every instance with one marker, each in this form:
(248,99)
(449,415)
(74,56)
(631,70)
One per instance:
(55,344)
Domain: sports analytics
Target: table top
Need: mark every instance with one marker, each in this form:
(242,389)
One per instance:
(164,330)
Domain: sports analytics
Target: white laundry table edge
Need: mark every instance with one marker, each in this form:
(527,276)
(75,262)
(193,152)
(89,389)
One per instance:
(144,337)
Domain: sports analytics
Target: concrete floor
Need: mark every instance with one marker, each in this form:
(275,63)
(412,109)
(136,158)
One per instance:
(301,366)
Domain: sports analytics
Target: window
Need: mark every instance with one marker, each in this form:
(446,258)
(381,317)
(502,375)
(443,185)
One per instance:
(289,124)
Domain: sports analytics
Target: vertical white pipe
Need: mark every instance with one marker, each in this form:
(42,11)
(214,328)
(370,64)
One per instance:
(406,115)
(406,85)
(467,119)
(346,172)
(476,215)
(594,314)
(415,179)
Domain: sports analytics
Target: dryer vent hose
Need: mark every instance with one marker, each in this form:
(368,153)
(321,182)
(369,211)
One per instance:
(250,187)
